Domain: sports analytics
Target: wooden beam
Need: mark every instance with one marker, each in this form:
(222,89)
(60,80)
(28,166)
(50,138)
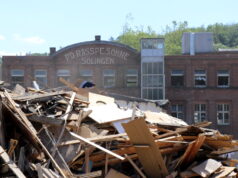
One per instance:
(10,163)
(191,151)
(97,146)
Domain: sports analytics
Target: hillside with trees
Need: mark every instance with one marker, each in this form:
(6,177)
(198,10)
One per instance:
(224,35)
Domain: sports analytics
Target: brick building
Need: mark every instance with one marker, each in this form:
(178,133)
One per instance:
(199,85)
(204,87)
(112,66)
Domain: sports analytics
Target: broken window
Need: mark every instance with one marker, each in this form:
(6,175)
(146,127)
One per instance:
(41,78)
(86,75)
(17,77)
(132,78)
(177,78)
(223,113)
(199,113)
(223,78)
(109,78)
(152,44)
(177,111)
(200,78)
(63,73)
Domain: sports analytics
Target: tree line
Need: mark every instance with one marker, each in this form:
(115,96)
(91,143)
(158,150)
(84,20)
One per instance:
(224,35)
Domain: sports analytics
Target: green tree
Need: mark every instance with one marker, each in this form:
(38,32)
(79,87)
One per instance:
(132,36)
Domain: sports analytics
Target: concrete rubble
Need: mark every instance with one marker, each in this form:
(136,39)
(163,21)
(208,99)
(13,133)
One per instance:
(77,133)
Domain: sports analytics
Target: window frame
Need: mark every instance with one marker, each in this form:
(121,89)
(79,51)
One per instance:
(176,74)
(199,112)
(177,111)
(86,77)
(42,85)
(63,75)
(17,75)
(223,112)
(197,74)
(129,75)
(113,77)
(223,75)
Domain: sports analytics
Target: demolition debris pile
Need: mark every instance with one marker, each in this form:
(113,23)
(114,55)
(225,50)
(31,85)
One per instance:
(80,134)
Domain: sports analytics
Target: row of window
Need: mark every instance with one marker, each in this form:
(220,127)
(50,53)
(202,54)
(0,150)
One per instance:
(152,80)
(200,113)
(200,78)
(109,77)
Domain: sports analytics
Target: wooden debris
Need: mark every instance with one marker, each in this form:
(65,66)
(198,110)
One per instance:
(115,174)
(81,134)
(10,163)
(147,150)
(207,167)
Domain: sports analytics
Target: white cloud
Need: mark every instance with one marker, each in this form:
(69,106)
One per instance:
(31,40)
(2,37)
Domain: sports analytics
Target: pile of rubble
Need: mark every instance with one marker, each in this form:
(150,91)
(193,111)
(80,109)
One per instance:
(82,134)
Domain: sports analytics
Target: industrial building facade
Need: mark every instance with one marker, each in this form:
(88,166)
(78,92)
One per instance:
(199,87)
(204,87)
(113,67)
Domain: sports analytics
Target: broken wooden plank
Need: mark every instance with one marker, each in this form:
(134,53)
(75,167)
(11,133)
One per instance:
(46,120)
(207,167)
(191,151)
(224,151)
(44,96)
(10,163)
(65,117)
(2,128)
(150,157)
(97,146)
(91,174)
(223,172)
(80,91)
(135,166)
(21,160)
(115,174)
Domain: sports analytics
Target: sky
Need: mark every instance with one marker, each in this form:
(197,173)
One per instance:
(33,26)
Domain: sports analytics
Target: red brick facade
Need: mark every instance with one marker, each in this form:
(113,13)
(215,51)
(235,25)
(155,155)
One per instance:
(210,95)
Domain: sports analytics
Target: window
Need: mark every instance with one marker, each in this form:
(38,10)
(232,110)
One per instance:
(177,78)
(223,114)
(152,80)
(177,111)
(109,78)
(41,78)
(152,44)
(63,73)
(17,77)
(199,113)
(131,78)
(200,78)
(86,75)
(222,78)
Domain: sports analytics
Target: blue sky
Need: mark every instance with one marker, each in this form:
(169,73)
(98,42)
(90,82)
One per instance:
(34,26)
